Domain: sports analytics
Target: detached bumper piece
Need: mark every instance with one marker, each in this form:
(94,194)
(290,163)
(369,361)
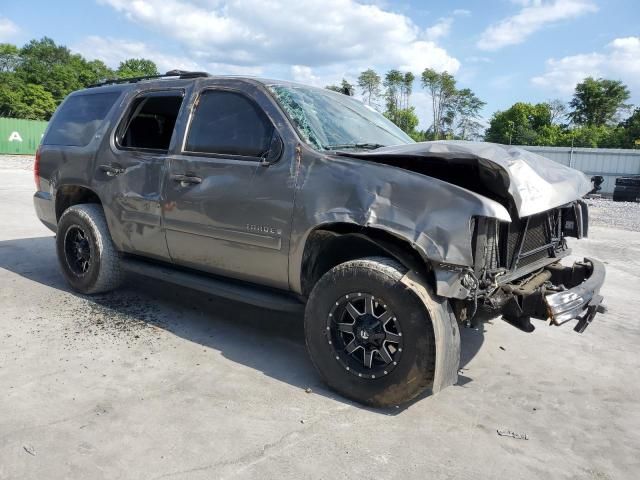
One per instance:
(557,294)
(581,302)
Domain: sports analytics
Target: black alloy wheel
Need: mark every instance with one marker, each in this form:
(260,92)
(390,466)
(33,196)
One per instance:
(365,335)
(369,334)
(87,256)
(77,249)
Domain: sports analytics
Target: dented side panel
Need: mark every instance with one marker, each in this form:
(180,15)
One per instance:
(432,215)
(132,199)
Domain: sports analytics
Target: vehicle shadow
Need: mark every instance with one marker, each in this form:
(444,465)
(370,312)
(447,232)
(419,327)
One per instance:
(267,341)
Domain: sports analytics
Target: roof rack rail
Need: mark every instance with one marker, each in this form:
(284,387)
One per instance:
(170,73)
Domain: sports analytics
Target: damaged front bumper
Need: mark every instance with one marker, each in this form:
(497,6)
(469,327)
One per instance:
(581,302)
(557,293)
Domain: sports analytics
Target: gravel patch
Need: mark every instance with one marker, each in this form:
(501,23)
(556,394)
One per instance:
(604,212)
(16,162)
(119,315)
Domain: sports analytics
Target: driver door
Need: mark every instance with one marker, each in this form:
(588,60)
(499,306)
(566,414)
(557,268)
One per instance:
(227,210)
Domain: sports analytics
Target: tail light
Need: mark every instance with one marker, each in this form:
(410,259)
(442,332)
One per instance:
(36,169)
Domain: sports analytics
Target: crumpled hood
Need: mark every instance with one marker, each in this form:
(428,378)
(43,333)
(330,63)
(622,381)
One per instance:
(535,183)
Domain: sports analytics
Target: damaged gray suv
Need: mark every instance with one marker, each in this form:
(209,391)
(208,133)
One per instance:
(288,197)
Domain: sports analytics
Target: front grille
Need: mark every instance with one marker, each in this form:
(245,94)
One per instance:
(534,257)
(521,242)
(512,232)
(492,253)
(536,236)
(526,236)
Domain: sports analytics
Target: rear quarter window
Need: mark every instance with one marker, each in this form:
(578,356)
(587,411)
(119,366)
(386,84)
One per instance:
(78,119)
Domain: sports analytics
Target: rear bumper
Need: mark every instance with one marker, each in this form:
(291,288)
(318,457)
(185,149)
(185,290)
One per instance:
(581,302)
(45,209)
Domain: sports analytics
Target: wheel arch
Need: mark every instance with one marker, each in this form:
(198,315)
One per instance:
(329,245)
(71,194)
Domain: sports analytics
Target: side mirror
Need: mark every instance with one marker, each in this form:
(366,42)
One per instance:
(274,153)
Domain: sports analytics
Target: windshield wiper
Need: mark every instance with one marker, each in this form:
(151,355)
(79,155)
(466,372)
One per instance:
(364,146)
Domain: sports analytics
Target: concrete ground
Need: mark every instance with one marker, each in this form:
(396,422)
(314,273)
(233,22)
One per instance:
(155,381)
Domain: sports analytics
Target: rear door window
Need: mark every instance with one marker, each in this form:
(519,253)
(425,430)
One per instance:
(228,123)
(150,121)
(78,119)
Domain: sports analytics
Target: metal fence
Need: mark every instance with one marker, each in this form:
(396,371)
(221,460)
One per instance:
(608,162)
(20,136)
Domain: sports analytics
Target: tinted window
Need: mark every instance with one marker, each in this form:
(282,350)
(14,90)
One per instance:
(78,119)
(150,122)
(229,123)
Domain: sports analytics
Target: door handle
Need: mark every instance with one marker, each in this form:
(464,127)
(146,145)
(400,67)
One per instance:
(186,180)
(110,170)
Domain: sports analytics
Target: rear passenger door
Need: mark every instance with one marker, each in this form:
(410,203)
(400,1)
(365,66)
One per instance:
(230,187)
(130,171)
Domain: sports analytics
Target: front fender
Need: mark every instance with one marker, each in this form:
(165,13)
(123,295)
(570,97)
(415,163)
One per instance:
(434,216)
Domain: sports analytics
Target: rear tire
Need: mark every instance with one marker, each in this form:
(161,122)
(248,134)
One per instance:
(407,338)
(86,254)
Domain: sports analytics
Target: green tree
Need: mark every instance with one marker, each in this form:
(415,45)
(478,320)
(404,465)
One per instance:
(598,101)
(56,69)
(20,100)
(9,94)
(49,65)
(593,136)
(398,89)
(630,133)
(136,67)
(36,104)
(405,118)
(393,83)
(420,135)
(442,90)
(370,84)
(9,57)
(407,88)
(345,87)
(520,124)
(465,111)
(551,135)
(95,71)
(558,110)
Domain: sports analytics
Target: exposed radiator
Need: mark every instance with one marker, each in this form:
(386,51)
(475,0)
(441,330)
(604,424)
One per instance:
(519,243)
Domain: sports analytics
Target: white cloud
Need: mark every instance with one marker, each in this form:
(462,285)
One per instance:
(422,54)
(534,15)
(112,51)
(304,74)
(440,29)
(312,42)
(254,33)
(618,61)
(8,29)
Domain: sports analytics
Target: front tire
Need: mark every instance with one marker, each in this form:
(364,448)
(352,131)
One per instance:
(368,334)
(86,254)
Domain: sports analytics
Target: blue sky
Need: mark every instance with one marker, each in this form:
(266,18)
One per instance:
(504,50)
